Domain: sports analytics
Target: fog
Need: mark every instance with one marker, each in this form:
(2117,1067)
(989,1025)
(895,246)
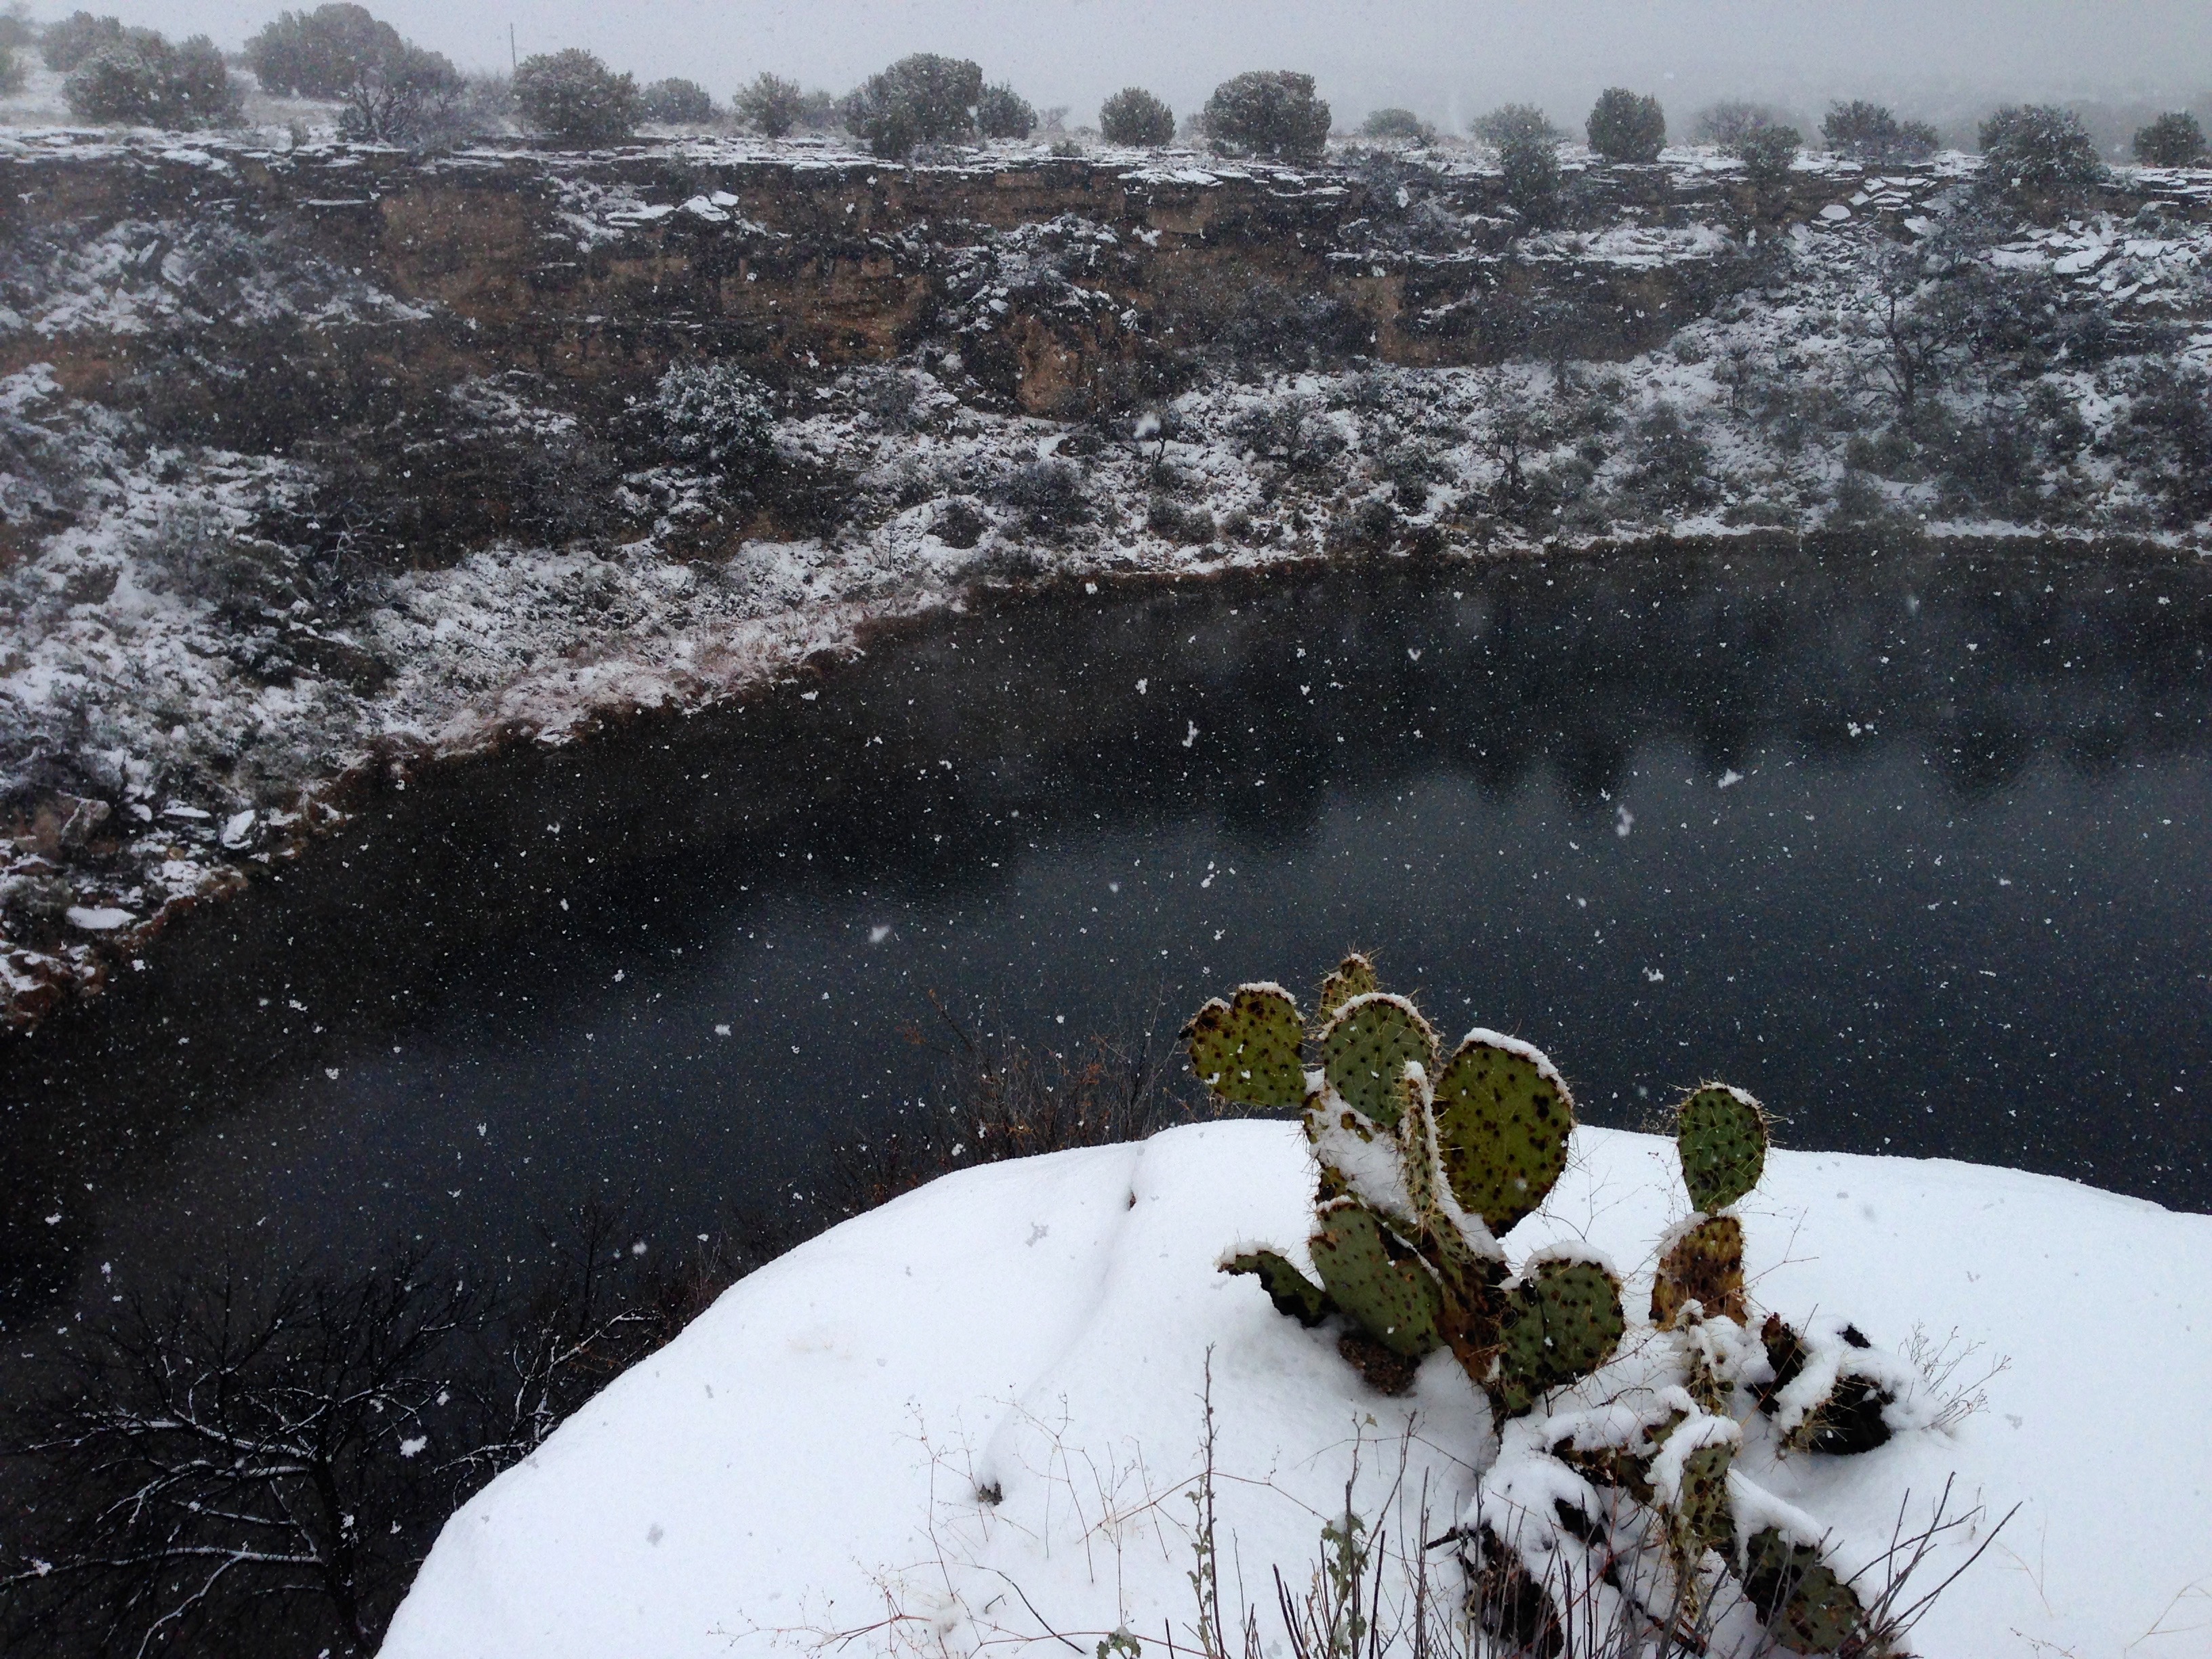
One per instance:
(1945,59)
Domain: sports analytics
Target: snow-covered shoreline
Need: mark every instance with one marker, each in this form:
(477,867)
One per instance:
(806,1461)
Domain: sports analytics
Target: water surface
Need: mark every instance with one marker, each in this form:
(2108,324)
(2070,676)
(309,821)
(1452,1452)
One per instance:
(1911,846)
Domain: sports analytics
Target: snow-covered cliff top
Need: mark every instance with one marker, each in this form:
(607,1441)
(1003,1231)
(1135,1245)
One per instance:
(805,1462)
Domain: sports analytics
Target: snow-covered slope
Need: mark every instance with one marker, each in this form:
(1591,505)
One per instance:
(812,1457)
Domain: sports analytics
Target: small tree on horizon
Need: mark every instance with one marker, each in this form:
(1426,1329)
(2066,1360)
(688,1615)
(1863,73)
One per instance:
(2039,156)
(1870,132)
(1511,121)
(1135,118)
(1002,112)
(1270,113)
(2173,140)
(678,102)
(1732,122)
(1529,165)
(1396,125)
(1624,126)
(924,99)
(1768,153)
(768,104)
(572,97)
(144,80)
(75,38)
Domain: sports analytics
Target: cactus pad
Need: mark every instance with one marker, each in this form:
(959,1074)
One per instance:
(1365,1050)
(1720,1134)
(1354,977)
(1705,1266)
(1693,1492)
(1246,1049)
(1394,1300)
(1290,1290)
(1807,1608)
(1561,1324)
(1502,1117)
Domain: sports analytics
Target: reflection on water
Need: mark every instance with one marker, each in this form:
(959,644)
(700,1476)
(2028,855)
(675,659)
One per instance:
(1909,847)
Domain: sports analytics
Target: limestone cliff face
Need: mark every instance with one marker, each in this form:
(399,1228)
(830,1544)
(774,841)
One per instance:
(596,270)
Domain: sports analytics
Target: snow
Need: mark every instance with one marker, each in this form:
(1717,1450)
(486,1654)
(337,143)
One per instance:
(807,1460)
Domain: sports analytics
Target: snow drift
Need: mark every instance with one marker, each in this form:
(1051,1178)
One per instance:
(976,1416)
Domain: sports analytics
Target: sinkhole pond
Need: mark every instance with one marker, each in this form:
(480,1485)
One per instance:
(1912,846)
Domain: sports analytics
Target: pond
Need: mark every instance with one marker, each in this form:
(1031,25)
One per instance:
(1911,845)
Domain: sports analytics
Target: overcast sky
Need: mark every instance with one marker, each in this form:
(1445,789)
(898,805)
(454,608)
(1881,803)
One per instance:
(1447,59)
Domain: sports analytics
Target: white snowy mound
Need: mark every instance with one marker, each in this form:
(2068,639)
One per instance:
(806,1461)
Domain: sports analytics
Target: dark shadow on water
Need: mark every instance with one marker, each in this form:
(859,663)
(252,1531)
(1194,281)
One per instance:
(1911,846)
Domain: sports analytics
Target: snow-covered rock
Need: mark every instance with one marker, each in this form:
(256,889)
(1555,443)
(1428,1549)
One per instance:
(979,1412)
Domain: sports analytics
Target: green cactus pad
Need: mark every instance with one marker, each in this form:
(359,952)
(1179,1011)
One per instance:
(1807,1608)
(1721,1135)
(1700,1518)
(1705,1266)
(1394,1300)
(1294,1295)
(1246,1049)
(1503,1120)
(1365,1049)
(1560,1325)
(1354,977)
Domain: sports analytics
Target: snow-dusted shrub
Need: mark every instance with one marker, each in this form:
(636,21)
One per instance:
(1609,1449)
(1730,122)
(2173,140)
(1769,153)
(2039,157)
(574,99)
(1189,526)
(75,38)
(676,101)
(1002,112)
(1270,113)
(715,413)
(1049,498)
(1397,126)
(1294,431)
(1624,126)
(143,80)
(1529,164)
(923,99)
(1135,118)
(1872,133)
(767,105)
(1511,121)
(1671,471)
(2166,439)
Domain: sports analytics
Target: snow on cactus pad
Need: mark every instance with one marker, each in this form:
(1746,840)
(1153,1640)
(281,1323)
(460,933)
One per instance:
(1045,1326)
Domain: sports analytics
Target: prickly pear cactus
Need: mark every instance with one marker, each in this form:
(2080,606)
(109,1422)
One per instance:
(1246,1049)
(1294,1295)
(1720,1134)
(1704,1265)
(1502,1117)
(1352,977)
(1424,1168)
(1365,1048)
(1394,1298)
(1689,1484)
(1806,1606)
(1562,1322)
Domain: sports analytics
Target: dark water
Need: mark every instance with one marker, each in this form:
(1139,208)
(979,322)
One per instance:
(1914,847)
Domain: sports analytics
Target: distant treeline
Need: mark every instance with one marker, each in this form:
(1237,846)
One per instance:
(391,90)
